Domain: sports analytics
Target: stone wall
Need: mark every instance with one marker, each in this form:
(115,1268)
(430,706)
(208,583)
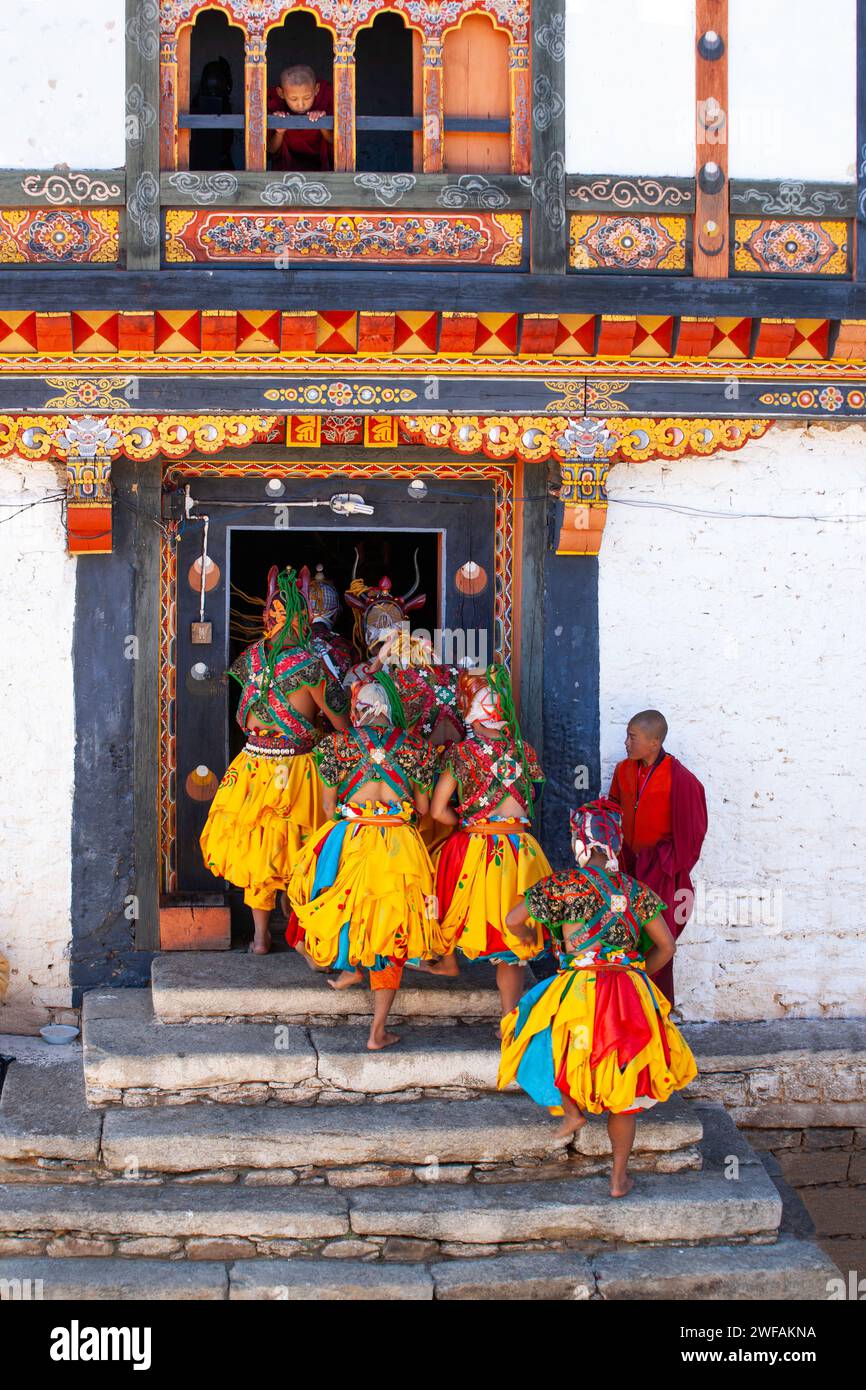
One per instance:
(748,633)
(37,600)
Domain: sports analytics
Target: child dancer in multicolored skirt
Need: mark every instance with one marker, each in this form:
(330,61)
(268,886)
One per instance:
(362,892)
(268,802)
(487,865)
(597,1036)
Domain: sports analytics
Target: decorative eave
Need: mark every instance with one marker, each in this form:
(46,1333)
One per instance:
(585,449)
(227,340)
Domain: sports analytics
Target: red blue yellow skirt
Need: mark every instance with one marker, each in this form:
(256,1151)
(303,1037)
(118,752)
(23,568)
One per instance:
(264,810)
(362,892)
(600,1035)
(481,874)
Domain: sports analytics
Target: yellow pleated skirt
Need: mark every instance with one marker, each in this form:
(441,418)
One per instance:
(363,895)
(604,1037)
(479,878)
(264,811)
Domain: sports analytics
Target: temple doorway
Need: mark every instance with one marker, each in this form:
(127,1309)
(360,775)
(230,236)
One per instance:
(235,532)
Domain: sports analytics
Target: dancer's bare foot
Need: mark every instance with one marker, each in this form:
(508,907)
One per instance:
(346,979)
(446,966)
(375,1044)
(621,1187)
(569,1127)
(259,948)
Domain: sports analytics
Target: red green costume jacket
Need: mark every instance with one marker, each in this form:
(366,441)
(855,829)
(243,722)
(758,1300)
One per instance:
(595,917)
(429,694)
(295,669)
(487,770)
(346,760)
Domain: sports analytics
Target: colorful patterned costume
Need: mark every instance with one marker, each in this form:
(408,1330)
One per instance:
(488,864)
(363,888)
(269,800)
(599,1030)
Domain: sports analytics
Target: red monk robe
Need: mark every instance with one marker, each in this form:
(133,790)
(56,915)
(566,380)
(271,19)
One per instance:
(304,150)
(664,821)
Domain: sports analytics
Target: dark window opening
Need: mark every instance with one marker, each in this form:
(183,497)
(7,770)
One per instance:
(216,88)
(301,43)
(384,88)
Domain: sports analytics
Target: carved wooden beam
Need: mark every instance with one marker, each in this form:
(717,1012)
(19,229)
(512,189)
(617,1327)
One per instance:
(548,223)
(142,135)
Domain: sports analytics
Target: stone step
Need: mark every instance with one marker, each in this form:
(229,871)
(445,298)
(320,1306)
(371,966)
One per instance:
(791,1270)
(204,986)
(433,1133)
(47,1133)
(130,1058)
(222,1221)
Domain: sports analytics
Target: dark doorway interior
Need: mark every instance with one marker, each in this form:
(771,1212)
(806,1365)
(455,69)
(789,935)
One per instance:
(391,553)
(383,68)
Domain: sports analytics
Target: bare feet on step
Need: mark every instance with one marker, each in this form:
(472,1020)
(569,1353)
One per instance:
(346,979)
(569,1127)
(447,966)
(375,1044)
(621,1186)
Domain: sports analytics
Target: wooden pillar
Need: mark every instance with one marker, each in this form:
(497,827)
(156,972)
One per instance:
(142,229)
(147,500)
(344,102)
(521,102)
(184,40)
(712,214)
(169,107)
(548,221)
(255,102)
(860,247)
(433,113)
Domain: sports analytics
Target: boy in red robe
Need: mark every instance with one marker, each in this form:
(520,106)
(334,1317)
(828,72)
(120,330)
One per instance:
(301,94)
(664,821)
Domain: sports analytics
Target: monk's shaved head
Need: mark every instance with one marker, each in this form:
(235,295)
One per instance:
(650,722)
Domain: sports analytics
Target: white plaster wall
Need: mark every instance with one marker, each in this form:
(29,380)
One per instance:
(37,595)
(630,87)
(750,636)
(62,79)
(792,89)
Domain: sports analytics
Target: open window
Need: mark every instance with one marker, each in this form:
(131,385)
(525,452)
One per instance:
(402,95)
(211,94)
(300,95)
(477,98)
(387,95)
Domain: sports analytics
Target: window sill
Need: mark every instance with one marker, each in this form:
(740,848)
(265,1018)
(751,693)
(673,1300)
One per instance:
(451,192)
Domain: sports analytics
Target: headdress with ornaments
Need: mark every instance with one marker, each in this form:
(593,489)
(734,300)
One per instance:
(379,609)
(597,825)
(285,618)
(403,649)
(323,600)
(373,698)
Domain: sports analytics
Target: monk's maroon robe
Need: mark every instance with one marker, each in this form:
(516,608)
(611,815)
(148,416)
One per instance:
(666,866)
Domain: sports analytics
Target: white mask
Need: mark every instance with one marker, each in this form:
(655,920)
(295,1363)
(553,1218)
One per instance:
(483,711)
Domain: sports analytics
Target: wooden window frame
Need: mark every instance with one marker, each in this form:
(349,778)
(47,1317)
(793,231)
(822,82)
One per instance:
(177,20)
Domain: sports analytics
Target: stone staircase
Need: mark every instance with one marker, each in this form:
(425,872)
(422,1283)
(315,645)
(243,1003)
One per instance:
(227,1135)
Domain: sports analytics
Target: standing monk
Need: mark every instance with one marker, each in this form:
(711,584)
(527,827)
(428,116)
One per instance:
(664,821)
